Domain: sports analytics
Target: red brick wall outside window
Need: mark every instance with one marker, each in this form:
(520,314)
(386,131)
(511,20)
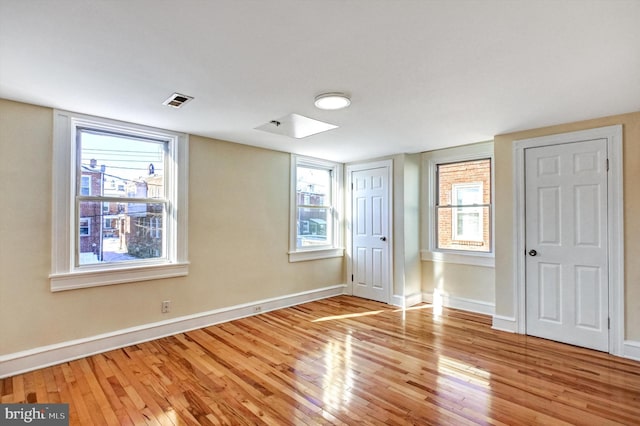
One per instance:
(463,206)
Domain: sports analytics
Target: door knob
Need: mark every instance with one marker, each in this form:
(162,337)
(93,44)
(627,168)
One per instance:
(532,252)
(383,238)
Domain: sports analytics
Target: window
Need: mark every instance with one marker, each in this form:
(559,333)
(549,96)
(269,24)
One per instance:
(156,227)
(85,185)
(459,216)
(316,209)
(107,232)
(84,227)
(463,207)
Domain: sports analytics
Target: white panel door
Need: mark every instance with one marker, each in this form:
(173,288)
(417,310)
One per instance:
(566,243)
(370,234)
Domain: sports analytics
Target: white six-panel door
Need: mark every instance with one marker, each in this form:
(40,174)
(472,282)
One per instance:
(370,233)
(566,243)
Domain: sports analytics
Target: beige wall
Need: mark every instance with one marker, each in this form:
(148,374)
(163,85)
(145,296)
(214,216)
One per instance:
(470,282)
(503,149)
(238,241)
(406,226)
(412,187)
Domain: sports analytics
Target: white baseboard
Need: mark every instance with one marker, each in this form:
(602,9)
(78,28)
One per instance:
(631,350)
(406,301)
(45,356)
(503,323)
(413,299)
(397,300)
(471,305)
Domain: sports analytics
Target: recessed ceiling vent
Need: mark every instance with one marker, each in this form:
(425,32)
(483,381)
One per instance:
(177,100)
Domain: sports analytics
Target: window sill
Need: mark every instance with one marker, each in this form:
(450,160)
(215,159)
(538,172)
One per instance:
(474,259)
(94,278)
(302,256)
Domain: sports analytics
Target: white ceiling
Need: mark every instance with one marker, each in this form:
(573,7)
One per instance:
(422,75)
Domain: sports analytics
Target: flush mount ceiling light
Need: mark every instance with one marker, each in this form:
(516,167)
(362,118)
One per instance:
(332,101)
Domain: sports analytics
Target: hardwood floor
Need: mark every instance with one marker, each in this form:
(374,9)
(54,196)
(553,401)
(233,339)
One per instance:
(342,360)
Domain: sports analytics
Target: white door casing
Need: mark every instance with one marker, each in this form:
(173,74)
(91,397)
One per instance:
(614,230)
(566,243)
(370,231)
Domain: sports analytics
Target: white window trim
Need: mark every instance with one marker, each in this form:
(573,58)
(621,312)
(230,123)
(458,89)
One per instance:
(64,274)
(430,161)
(337,249)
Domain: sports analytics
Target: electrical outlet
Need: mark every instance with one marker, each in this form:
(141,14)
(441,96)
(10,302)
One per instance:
(166,306)
(257,309)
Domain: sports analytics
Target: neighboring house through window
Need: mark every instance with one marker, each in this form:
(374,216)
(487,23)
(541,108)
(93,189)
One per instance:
(130,223)
(463,207)
(316,209)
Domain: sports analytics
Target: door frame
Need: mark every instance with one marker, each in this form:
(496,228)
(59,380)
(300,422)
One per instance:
(615,233)
(388,164)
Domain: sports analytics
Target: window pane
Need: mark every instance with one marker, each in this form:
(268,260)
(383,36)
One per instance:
(312,227)
(119,232)
(464,228)
(113,165)
(313,187)
(467,194)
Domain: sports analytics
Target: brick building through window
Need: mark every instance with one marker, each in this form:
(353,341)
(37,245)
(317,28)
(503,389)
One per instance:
(464,206)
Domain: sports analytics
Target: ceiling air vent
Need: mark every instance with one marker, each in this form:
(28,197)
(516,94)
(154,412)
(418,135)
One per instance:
(177,100)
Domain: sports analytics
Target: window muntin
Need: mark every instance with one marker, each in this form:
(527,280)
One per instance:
(463,208)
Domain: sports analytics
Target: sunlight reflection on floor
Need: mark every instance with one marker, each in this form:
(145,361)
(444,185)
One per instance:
(339,376)
(461,370)
(336,317)
(338,379)
(172,416)
(364,314)
(450,369)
